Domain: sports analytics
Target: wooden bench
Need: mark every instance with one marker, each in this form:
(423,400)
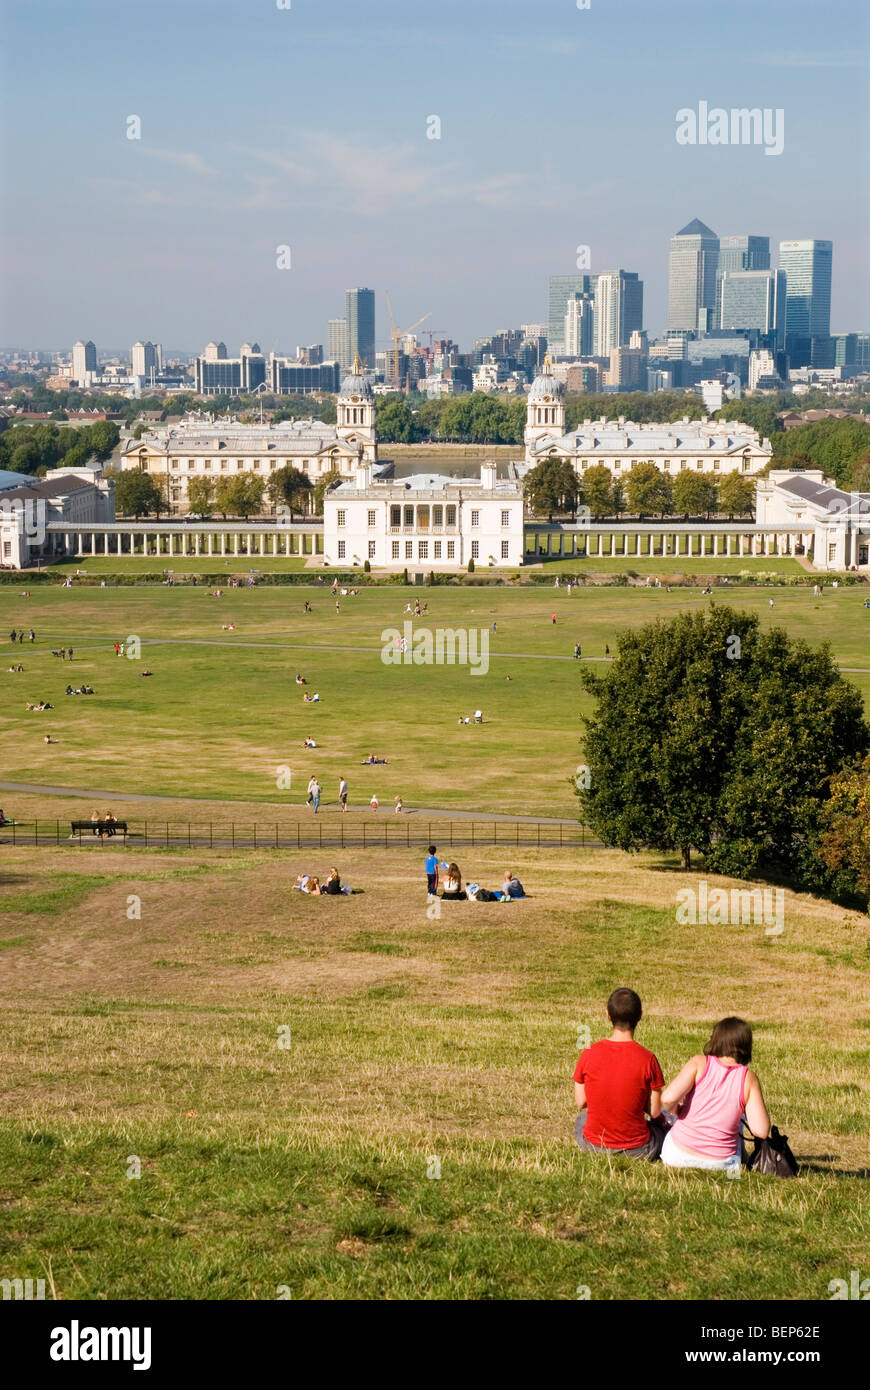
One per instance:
(99,827)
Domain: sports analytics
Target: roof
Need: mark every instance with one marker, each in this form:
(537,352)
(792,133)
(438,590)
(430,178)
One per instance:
(10,480)
(827,498)
(693,437)
(40,487)
(696,228)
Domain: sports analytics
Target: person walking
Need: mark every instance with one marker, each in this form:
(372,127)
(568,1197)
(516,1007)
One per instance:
(314,794)
(432,872)
(32,635)
(342,793)
(399,806)
(374,802)
(554,619)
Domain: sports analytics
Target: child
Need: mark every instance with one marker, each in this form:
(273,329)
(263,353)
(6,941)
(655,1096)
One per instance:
(618,1082)
(432,872)
(374,802)
(398,805)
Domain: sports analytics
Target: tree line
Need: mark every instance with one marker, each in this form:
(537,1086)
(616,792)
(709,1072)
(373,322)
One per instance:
(554,488)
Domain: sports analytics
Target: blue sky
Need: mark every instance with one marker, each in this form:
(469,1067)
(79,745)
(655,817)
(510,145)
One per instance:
(306,127)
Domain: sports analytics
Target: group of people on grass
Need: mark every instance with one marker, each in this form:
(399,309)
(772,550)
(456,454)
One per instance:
(452,888)
(331,886)
(694,1121)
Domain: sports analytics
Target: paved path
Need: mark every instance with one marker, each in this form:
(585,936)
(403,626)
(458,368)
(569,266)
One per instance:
(442,812)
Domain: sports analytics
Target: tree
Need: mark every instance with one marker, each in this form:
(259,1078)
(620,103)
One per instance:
(247,494)
(224,496)
(324,483)
(736,494)
(137,493)
(103,438)
(687,493)
(844,844)
(396,422)
(598,490)
(649,490)
(200,496)
(710,735)
(861,473)
(289,487)
(552,486)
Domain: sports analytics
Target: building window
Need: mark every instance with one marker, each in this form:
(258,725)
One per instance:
(190,463)
(437,545)
(715,465)
(409,550)
(437,516)
(451,549)
(746,465)
(175,463)
(395,516)
(451,516)
(256,463)
(832,550)
(240,464)
(505,550)
(423,550)
(342,545)
(506,518)
(372,548)
(475,518)
(395,550)
(475,550)
(342,517)
(683,464)
(225,463)
(373,516)
(409,516)
(273,463)
(207,463)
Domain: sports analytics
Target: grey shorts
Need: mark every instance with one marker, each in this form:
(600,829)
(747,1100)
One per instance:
(650,1150)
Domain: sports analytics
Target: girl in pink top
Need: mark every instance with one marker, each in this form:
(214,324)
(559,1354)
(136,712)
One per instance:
(709,1096)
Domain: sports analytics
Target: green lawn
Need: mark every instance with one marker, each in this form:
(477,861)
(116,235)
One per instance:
(221,714)
(673,564)
(351,1099)
(181,564)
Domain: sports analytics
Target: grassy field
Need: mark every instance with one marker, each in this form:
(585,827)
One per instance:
(221,714)
(289,1075)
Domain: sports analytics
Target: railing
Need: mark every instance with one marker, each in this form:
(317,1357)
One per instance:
(386,833)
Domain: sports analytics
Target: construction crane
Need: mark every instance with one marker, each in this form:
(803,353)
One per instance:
(397,334)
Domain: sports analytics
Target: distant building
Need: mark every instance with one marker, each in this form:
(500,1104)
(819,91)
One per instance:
(703,445)
(692,267)
(579,336)
(618,309)
(84,362)
(561,289)
(763,375)
(754,300)
(807,266)
(143,360)
(336,342)
(215,374)
(201,447)
(739,253)
(27,509)
(360,315)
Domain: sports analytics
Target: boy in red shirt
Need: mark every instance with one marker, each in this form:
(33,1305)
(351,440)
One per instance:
(618,1083)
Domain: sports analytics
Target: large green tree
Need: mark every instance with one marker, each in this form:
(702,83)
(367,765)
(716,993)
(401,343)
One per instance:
(289,487)
(710,735)
(736,494)
(844,843)
(552,486)
(137,493)
(200,496)
(649,490)
(598,490)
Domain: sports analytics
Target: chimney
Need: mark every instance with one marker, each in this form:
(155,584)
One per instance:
(363,475)
(488,471)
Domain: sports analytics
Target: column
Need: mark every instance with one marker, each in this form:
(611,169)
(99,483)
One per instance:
(600,544)
(613,544)
(236,543)
(728,544)
(703,545)
(716,543)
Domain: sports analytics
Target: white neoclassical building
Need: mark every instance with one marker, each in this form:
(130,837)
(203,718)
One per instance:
(710,446)
(428,521)
(836,523)
(200,446)
(30,507)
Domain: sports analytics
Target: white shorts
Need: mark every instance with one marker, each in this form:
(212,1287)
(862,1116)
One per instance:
(675,1157)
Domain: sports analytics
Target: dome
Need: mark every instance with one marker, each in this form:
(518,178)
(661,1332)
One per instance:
(356,383)
(545,386)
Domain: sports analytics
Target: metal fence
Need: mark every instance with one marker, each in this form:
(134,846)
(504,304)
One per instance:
(386,833)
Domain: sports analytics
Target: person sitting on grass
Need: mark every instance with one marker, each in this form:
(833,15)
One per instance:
(308,883)
(453,884)
(332,886)
(709,1097)
(511,886)
(618,1083)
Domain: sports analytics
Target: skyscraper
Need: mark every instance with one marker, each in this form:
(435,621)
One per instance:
(360,315)
(143,359)
(577,334)
(694,259)
(807,266)
(336,342)
(739,253)
(561,289)
(84,361)
(754,299)
(618,309)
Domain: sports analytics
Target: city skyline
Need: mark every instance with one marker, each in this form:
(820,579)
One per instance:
(316,136)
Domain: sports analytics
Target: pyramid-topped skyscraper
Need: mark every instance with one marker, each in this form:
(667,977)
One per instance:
(692,278)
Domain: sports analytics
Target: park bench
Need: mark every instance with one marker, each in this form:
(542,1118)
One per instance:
(98,827)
